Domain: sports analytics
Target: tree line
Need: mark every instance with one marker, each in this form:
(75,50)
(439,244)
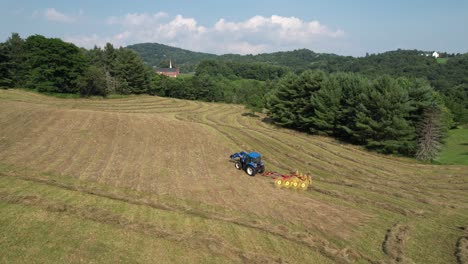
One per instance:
(54,66)
(51,65)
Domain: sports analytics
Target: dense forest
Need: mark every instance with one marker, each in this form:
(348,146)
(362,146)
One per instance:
(384,102)
(53,66)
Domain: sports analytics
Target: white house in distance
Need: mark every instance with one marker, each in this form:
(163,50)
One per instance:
(435,54)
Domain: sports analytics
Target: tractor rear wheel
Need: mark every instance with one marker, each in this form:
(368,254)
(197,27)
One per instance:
(238,165)
(251,171)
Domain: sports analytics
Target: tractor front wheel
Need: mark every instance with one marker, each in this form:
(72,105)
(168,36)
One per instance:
(238,165)
(250,171)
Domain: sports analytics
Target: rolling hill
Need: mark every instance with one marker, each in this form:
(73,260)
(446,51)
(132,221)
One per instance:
(153,54)
(145,178)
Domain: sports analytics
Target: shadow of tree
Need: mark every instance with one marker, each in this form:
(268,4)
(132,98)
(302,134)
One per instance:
(249,114)
(268,120)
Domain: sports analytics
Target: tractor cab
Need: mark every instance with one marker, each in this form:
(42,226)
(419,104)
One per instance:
(250,162)
(254,157)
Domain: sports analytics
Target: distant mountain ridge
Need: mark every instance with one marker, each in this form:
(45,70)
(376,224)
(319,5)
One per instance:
(157,55)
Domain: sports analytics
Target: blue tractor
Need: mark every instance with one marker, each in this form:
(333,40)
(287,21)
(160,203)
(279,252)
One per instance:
(249,162)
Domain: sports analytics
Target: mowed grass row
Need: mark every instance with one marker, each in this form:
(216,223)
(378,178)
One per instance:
(178,149)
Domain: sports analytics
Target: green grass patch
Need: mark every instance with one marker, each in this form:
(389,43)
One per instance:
(455,150)
(185,75)
(442,60)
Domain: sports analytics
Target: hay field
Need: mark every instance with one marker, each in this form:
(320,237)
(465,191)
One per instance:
(144,178)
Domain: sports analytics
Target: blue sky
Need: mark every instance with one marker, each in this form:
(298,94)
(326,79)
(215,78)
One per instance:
(247,27)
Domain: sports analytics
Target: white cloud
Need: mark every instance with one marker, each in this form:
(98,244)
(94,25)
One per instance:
(254,35)
(244,48)
(136,19)
(278,29)
(118,40)
(53,15)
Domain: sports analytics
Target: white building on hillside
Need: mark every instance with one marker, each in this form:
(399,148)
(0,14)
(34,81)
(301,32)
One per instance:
(435,54)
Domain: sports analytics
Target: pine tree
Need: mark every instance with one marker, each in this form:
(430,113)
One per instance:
(131,68)
(353,88)
(322,113)
(109,58)
(5,62)
(290,102)
(381,119)
(282,101)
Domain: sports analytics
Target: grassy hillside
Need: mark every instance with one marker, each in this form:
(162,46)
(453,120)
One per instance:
(455,150)
(143,178)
